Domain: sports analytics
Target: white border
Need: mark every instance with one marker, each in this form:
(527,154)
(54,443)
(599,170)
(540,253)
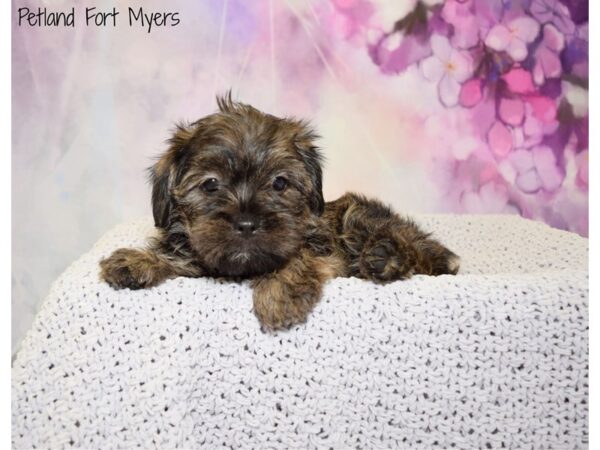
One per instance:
(594,267)
(5,192)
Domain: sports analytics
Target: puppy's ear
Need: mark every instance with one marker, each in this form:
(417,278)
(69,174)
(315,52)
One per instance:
(166,171)
(311,157)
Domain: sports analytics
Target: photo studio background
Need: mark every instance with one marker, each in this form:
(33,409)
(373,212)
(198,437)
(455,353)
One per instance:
(471,106)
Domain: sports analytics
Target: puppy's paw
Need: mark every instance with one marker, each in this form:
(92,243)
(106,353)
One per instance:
(129,268)
(386,259)
(441,260)
(279,305)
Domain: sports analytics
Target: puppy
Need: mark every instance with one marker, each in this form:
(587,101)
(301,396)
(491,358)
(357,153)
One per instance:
(238,194)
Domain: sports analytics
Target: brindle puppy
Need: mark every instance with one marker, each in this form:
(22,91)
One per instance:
(238,194)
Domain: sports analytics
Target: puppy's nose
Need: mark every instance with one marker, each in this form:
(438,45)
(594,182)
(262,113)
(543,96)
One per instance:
(246,225)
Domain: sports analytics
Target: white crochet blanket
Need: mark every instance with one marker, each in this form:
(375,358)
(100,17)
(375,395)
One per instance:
(494,357)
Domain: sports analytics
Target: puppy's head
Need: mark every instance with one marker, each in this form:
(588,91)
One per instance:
(242,187)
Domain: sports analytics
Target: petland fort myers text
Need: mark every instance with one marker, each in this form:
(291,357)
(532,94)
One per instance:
(96,17)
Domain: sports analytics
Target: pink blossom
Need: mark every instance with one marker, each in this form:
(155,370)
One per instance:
(395,52)
(533,129)
(351,16)
(532,170)
(500,139)
(547,60)
(519,81)
(536,126)
(543,108)
(553,11)
(511,111)
(513,37)
(466,25)
(470,93)
(551,175)
(448,67)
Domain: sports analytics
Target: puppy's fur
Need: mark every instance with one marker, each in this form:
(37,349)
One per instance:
(238,194)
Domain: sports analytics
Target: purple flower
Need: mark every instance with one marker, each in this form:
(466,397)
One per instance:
(547,59)
(408,42)
(553,11)
(448,67)
(511,110)
(471,93)
(500,139)
(533,130)
(513,37)
(393,53)
(466,25)
(575,58)
(519,81)
(532,170)
(579,10)
(350,16)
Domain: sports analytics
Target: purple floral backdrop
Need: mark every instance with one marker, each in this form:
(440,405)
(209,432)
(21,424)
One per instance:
(513,78)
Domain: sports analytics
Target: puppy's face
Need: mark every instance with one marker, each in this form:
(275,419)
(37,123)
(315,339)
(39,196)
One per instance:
(241,187)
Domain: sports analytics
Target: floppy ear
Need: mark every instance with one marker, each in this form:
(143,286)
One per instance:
(166,171)
(311,157)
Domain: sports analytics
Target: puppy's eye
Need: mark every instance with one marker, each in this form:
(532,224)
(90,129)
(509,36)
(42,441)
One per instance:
(211,185)
(280,183)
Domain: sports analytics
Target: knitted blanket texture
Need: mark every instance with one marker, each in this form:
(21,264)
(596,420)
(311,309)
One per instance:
(495,357)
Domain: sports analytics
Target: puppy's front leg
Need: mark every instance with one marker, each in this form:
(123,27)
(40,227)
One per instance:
(143,268)
(285,298)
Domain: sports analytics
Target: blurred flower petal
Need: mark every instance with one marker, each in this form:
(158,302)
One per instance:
(517,49)
(553,39)
(543,108)
(519,81)
(463,148)
(518,137)
(511,111)
(508,171)
(493,196)
(522,160)
(550,174)
(524,28)
(441,47)
(498,38)
(465,22)
(462,66)
(542,10)
(500,139)
(551,64)
(553,11)
(470,93)
(577,97)
(529,182)
(433,69)
(449,90)
(538,74)
(514,37)
(547,61)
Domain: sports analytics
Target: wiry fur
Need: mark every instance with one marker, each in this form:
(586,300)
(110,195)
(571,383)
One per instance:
(297,240)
